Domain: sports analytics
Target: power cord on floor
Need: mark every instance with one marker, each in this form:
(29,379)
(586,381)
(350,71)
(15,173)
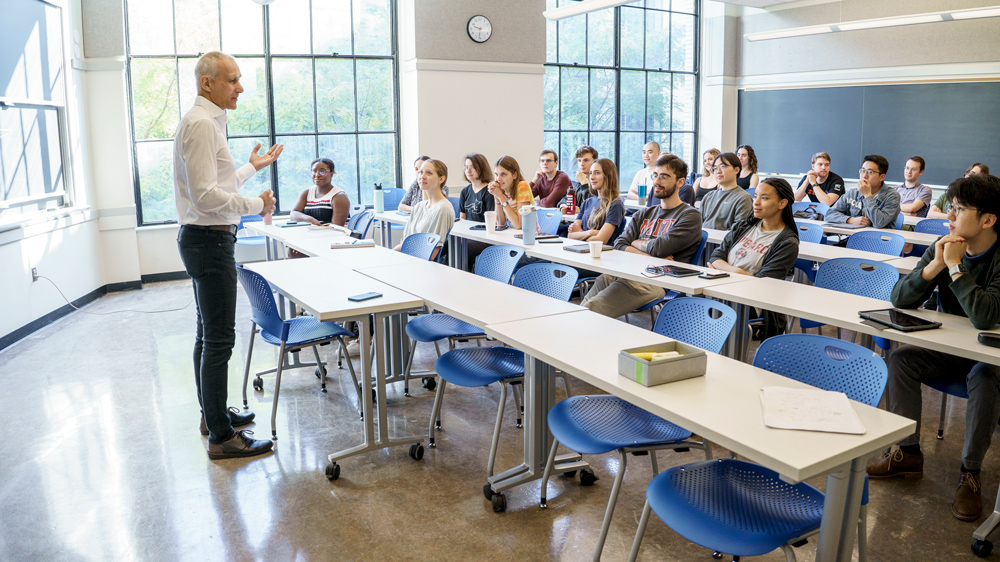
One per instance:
(113,311)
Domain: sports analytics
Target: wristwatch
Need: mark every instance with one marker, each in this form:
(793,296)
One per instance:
(957,268)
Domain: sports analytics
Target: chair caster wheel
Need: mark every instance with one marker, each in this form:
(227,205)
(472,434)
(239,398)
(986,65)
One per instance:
(587,477)
(982,549)
(429,383)
(375,398)
(487,491)
(569,473)
(332,471)
(258,384)
(320,371)
(717,555)
(499,502)
(416,451)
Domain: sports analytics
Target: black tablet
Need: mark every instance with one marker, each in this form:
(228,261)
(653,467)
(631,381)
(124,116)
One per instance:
(895,318)
(672,270)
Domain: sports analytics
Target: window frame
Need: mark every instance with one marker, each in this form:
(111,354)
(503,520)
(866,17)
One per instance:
(271,134)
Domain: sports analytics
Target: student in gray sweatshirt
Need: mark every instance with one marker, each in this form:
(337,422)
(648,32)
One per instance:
(671,230)
(872,203)
(965,266)
(728,203)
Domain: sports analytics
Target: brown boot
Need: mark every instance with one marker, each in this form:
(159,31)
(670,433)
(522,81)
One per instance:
(968,504)
(896,463)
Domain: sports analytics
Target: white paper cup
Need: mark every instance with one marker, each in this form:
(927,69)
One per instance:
(491,221)
(595,248)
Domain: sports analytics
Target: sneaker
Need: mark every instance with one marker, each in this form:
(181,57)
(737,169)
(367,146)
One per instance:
(241,444)
(968,504)
(894,463)
(354,349)
(236,419)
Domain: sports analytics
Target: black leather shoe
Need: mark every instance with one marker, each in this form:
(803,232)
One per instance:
(242,444)
(236,419)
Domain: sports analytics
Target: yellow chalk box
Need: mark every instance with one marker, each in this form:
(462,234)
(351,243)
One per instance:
(662,363)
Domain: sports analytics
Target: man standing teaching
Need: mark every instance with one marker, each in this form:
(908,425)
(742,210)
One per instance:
(209,207)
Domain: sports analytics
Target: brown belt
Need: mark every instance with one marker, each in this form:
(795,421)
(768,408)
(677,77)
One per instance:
(230,228)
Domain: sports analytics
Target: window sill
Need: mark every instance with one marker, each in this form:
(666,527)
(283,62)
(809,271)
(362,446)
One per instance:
(44,222)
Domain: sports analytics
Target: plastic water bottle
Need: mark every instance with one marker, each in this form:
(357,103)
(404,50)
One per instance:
(379,199)
(570,202)
(642,194)
(529,222)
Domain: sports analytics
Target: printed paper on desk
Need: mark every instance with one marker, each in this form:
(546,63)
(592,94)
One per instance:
(809,409)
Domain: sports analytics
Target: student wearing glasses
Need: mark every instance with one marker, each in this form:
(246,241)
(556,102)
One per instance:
(871,203)
(323,202)
(510,190)
(748,167)
(550,183)
(727,203)
(671,230)
(965,266)
(602,217)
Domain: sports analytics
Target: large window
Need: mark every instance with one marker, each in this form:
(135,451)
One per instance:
(319,77)
(618,78)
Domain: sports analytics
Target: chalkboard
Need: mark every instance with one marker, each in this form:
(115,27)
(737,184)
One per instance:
(950,125)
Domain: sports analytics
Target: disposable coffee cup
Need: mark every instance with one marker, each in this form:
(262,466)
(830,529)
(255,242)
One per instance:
(595,248)
(491,221)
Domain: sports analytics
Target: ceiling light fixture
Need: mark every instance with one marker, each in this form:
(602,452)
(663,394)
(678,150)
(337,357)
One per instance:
(879,23)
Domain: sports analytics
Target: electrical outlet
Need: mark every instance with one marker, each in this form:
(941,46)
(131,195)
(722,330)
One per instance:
(34,274)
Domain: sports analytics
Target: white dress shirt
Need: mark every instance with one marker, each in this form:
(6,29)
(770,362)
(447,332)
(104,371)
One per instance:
(206,181)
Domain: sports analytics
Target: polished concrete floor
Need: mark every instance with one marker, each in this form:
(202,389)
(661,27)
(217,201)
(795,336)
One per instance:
(104,462)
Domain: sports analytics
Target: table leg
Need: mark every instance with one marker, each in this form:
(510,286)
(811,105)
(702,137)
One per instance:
(739,341)
(841,508)
(453,260)
(384,233)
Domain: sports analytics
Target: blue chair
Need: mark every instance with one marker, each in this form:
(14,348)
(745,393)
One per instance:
(900,218)
(808,232)
(242,237)
(932,226)
(361,223)
(289,335)
(857,277)
(496,263)
(752,191)
(594,425)
(887,243)
(744,509)
(355,210)
(651,305)
(421,245)
(454,204)
(548,220)
(391,197)
(820,208)
(481,366)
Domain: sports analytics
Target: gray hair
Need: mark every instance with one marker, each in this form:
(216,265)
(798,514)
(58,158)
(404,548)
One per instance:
(208,65)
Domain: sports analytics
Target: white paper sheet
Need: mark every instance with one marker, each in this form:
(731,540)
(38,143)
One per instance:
(809,409)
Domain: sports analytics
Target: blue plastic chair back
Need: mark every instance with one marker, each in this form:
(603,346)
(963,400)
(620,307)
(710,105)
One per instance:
(803,205)
(550,279)
(752,191)
(809,232)
(880,242)
(690,320)
(420,245)
(391,197)
(262,307)
(454,204)
(826,363)
(352,223)
(355,210)
(242,237)
(932,226)
(899,221)
(498,262)
(361,222)
(548,220)
(696,259)
(858,277)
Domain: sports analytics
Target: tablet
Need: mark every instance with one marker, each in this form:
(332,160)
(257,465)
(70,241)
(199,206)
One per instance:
(672,270)
(895,318)
(585,248)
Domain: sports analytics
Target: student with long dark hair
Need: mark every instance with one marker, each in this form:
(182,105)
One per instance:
(748,163)
(510,189)
(601,217)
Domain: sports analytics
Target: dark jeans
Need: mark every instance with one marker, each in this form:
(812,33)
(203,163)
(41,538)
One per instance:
(909,366)
(209,259)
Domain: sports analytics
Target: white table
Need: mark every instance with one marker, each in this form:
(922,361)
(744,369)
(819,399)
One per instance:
(904,265)
(322,288)
(278,235)
(385,220)
(723,406)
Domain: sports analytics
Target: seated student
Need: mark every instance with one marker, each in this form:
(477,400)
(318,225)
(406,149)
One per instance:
(707,182)
(645,176)
(672,230)
(510,191)
(965,265)
(434,212)
(726,204)
(819,184)
(686,192)
(413,193)
(603,215)
(585,158)
(323,202)
(868,204)
(765,243)
(748,167)
(475,200)
(914,197)
(939,210)
(550,184)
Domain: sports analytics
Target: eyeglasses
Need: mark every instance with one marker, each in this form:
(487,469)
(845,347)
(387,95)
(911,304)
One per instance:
(546,160)
(866,173)
(321,172)
(719,168)
(958,210)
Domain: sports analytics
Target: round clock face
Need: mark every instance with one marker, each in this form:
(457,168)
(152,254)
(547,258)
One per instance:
(480,29)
